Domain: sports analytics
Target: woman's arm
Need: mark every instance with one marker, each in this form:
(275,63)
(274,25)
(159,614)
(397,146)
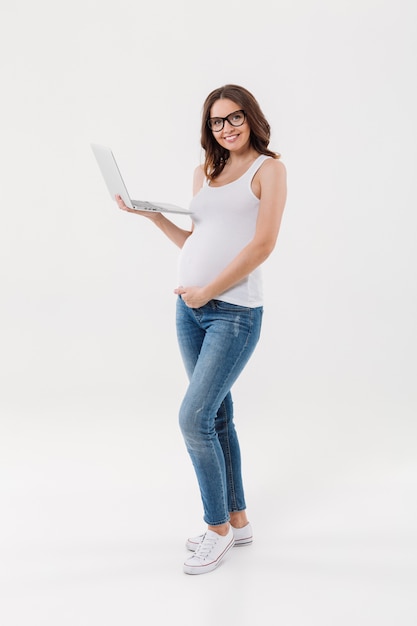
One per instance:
(176,234)
(271,184)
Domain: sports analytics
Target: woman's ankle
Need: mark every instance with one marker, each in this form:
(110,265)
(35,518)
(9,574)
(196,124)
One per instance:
(221,529)
(238,519)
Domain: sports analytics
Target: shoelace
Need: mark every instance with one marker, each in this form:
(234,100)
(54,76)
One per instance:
(205,547)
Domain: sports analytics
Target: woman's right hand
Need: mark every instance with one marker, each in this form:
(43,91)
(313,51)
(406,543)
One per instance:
(124,207)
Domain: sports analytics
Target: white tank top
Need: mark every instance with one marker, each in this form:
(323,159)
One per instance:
(224,223)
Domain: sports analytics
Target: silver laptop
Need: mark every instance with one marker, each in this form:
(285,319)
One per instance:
(116,186)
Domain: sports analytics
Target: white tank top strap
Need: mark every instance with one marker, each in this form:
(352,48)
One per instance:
(256,165)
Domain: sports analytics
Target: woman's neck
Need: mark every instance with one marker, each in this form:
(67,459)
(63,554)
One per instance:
(241,158)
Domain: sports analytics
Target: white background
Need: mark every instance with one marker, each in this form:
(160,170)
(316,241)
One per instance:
(95,486)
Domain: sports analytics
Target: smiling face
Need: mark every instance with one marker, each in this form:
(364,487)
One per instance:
(233,138)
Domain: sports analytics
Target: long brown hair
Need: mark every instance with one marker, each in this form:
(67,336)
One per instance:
(215,155)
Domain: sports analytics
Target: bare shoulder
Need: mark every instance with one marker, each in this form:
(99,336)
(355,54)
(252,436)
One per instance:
(273,168)
(271,178)
(198,179)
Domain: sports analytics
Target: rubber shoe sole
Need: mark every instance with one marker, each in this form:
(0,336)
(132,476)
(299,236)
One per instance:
(242,536)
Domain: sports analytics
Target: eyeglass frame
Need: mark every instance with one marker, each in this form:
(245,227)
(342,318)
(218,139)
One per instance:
(226,119)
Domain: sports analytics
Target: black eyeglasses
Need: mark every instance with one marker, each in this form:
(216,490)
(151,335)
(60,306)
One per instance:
(235,119)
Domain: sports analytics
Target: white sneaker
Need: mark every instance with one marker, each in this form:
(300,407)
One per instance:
(209,553)
(243,537)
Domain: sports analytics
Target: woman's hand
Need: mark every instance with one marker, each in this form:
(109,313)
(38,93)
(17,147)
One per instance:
(193,297)
(124,207)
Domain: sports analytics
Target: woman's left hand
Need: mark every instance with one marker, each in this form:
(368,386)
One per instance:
(193,297)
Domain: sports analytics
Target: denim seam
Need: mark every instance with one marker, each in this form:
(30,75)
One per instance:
(229,469)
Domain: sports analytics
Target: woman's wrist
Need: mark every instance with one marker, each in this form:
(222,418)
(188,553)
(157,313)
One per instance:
(208,293)
(156,217)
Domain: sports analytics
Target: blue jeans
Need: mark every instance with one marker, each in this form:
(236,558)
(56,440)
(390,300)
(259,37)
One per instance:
(216,342)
